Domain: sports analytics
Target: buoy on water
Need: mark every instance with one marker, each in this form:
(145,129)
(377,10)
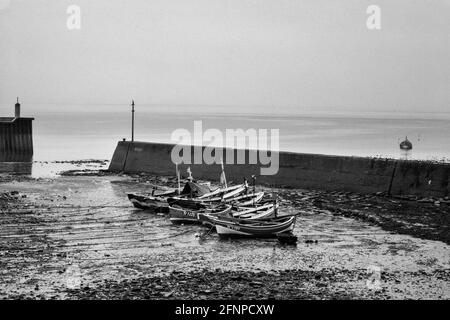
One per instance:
(406,144)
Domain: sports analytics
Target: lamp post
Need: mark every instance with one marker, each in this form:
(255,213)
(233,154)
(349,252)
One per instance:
(132,121)
(132,135)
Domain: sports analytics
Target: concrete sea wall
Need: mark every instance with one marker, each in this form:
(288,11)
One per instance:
(309,171)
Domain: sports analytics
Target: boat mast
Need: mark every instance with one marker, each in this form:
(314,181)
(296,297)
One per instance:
(222,175)
(178,178)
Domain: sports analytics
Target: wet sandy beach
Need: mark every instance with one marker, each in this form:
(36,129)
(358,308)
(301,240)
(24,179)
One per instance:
(77,236)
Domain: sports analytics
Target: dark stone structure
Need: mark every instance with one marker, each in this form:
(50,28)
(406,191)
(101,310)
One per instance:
(16,138)
(300,170)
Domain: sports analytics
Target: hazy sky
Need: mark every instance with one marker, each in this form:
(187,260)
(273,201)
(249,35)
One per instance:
(302,54)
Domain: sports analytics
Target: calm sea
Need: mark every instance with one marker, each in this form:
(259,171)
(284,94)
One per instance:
(91,132)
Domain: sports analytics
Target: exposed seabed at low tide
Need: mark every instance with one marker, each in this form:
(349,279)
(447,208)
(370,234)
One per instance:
(78,236)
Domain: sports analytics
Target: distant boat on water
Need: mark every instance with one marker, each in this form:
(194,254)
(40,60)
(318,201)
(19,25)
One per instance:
(406,144)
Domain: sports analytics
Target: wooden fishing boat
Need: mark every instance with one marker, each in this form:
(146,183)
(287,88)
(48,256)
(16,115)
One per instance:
(178,214)
(154,201)
(195,196)
(246,199)
(265,212)
(220,191)
(253,228)
(158,201)
(241,201)
(259,212)
(217,196)
(148,202)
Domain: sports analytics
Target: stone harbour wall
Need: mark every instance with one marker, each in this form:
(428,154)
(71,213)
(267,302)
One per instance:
(299,170)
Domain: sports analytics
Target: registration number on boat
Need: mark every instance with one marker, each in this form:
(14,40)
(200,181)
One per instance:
(190,214)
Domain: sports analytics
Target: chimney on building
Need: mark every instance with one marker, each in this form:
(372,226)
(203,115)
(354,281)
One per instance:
(17,109)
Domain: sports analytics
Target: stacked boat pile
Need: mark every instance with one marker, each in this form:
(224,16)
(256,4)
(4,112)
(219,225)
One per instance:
(231,210)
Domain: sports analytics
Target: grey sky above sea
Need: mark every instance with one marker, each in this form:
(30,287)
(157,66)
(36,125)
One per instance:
(259,55)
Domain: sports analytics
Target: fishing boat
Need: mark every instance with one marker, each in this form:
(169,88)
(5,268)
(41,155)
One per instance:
(153,201)
(264,212)
(196,196)
(259,212)
(158,202)
(246,199)
(178,214)
(253,228)
(406,144)
(217,196)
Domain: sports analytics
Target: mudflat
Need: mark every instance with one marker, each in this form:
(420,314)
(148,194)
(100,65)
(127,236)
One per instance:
(77,236)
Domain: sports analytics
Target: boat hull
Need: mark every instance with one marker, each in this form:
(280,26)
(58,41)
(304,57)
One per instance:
(269,230)
(205,200)
(246,199)
(182,215)
(258,213)
(149,202)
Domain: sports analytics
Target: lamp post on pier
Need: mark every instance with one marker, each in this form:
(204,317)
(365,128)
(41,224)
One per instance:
(132,135)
